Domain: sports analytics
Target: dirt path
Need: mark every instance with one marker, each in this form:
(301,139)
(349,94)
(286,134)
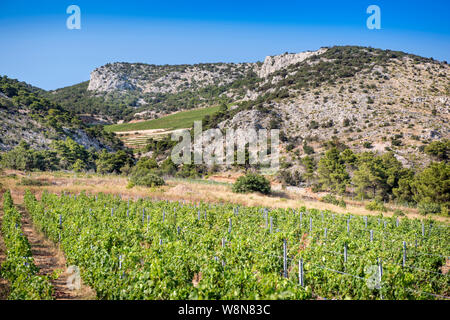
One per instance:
(51,260)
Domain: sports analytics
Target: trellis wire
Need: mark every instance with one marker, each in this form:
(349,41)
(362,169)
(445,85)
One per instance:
(427,293)
(340,272)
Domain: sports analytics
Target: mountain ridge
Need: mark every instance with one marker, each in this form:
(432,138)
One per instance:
(369,99)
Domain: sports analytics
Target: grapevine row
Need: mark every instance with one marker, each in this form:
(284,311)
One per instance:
(19,268)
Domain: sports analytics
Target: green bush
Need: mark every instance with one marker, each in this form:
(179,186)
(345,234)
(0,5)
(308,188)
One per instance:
(145,178)
(444,210)
(32,183)
(429,208)
(329,198)
(367,145)
(251,183)
(308,149)
(398,212)
(376,206)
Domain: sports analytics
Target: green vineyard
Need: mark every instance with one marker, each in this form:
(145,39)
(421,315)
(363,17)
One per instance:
(19,267)
(153,249)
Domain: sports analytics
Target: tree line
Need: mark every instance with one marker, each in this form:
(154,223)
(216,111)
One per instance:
(340,171)
(384,178)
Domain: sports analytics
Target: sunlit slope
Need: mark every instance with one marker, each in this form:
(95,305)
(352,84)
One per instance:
(184,119)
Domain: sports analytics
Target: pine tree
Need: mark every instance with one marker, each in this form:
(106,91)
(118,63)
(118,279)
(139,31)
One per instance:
(332,171)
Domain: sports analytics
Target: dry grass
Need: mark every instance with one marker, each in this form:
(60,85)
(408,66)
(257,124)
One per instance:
(182,190)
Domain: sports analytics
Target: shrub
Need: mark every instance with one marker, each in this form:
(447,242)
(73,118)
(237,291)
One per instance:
(32,183)
(346,122)
(291,179)
(342,203)
(333,200)
(308,149)
(79,166)
(376,206)
(429,208)
(145,178)
(398,212)
(396,142)
(439,150)
(313,125)
(367,145)
(251,183)
(444,210)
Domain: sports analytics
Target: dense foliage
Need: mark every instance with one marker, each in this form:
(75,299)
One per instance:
(79,100)
(66,155)
(251,183)
(383,178)
(146,174)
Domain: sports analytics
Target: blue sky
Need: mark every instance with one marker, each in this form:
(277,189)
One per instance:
(36,46)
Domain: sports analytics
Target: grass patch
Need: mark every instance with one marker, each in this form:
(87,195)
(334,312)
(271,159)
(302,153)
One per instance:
(200,181)
(32,183)
(179,120)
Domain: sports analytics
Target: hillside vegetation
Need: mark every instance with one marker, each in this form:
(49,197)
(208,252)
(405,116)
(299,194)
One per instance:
(27,115)
(134,90)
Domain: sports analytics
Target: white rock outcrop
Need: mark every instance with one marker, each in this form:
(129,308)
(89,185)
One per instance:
(275,63)
(164,79)
(173,79)
(105,81)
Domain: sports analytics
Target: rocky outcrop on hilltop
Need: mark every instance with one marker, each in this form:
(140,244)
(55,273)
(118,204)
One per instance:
(275,63)
(176,78)
(164,79)
(105,81)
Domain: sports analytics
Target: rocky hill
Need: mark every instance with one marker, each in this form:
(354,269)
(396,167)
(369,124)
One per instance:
(120,90)
(126,91)
(368,99)
(164,79)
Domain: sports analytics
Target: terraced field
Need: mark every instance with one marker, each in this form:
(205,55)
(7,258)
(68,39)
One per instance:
(139,138)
